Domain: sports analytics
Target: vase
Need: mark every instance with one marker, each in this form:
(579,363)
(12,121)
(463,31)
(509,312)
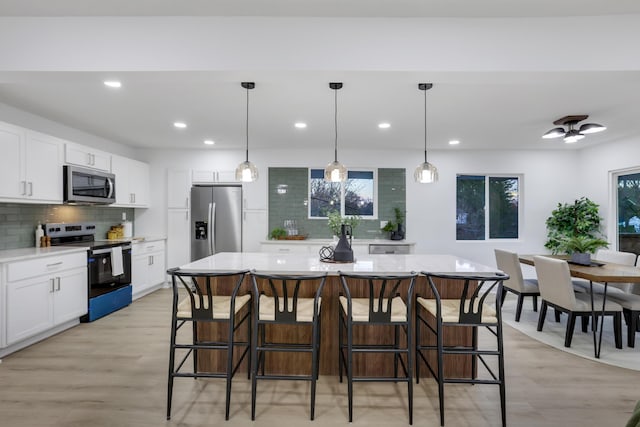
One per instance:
(583,258)
(398,234)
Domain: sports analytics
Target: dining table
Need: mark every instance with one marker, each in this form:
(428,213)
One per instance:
(599,272)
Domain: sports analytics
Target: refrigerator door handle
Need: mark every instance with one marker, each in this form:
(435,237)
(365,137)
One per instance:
(212,227)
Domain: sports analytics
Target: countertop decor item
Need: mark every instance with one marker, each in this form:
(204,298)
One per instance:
(247,171)
(335,171)
(426,173)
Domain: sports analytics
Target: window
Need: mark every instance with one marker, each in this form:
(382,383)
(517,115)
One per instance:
(474,193)
(356,196)
(628,208)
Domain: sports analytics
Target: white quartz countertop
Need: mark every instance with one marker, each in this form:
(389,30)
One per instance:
(10,255)
(333,242)
(276,263)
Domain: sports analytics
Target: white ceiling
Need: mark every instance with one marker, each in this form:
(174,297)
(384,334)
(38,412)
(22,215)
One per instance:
(484,110)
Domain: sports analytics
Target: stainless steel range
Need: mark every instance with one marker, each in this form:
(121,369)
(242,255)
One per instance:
(109,266)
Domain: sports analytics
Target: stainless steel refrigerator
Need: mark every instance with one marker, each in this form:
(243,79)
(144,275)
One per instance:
(216,220)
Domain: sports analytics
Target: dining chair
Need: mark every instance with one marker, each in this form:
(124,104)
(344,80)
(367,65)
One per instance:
(280,303)
(508,262)
(621,292)
(374,303)
(471,310)
(209,298)
(556,290)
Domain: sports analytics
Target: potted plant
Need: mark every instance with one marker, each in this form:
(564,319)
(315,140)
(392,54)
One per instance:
(277,233)
(580,218)
(335,220)
(581,247)
(395,229)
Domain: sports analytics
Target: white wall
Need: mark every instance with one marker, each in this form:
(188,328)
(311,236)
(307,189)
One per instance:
(549,177)
(596,167)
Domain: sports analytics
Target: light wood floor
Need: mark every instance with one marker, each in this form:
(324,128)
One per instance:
(113,372)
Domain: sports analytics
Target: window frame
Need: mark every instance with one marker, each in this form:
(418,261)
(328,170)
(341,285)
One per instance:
(487,177)
(374,216)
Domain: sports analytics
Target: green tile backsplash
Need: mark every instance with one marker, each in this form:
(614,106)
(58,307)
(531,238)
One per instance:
(18,221)
(292,204)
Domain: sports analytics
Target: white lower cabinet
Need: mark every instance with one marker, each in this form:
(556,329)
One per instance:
(37,302)
(147,267)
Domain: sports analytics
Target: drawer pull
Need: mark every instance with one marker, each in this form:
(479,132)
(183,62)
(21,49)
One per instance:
(54,264)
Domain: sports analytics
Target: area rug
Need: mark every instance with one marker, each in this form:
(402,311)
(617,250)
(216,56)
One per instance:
(582,345)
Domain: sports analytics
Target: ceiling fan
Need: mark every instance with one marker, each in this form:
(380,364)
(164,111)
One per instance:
(571,134)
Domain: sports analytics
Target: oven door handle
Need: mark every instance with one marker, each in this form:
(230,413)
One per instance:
(108,250)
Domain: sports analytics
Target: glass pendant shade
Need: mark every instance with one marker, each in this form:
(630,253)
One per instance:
(426,173)
(335,172)
(246,172)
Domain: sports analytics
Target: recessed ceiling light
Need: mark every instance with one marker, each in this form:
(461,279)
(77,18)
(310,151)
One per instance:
(454,142)
(180,125)
(384,125)
(209,142)
(300,125)
(112,83)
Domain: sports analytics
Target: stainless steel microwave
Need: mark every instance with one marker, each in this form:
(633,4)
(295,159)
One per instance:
(88,186)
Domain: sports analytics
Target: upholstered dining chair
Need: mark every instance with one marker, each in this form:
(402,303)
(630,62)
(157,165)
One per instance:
(508,262)
(556,290)
(621,292)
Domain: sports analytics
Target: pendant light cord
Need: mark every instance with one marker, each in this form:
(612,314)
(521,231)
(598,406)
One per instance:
(335,122)
(247,127)
(425,126)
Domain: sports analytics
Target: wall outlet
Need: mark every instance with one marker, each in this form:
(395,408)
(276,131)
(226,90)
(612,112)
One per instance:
(124,216)
(383,224)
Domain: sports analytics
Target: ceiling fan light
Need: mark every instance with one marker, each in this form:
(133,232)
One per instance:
(426,173)
(588,128)
(554,133)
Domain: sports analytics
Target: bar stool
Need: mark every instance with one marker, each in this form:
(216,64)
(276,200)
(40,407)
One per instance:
(279,301)
(380,305)
(470,310)
(210,298)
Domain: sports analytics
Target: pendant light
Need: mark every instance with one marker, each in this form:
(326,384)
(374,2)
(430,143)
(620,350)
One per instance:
(425,173)
(335,171)
(247,171)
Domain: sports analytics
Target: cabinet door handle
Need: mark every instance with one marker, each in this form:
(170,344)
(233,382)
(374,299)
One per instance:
(30,188)
(186,202)
(57,283)
(53,284)
(24,187)
(54,264)
(134,197)
(93,159)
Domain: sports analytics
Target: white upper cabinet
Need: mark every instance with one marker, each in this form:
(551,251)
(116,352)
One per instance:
(214,176)
(30,166)
(132,182)
(87,157)
(178,189)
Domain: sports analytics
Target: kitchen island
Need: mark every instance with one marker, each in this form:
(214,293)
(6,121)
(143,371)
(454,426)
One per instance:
(287,263)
